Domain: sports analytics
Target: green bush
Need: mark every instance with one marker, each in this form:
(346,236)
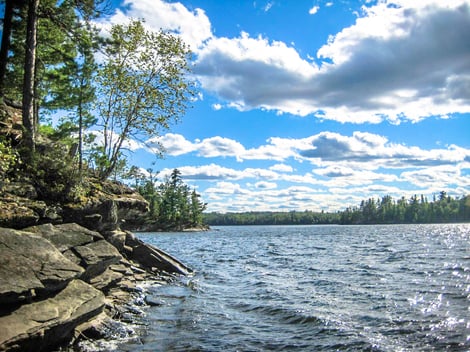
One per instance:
(54,173)
(8,160)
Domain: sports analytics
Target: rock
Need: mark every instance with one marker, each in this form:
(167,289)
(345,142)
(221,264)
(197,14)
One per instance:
(21,189)
(129,286)
(120,268)
(107,205)
(153,258)
(16,215)
(109,278)
(95,329)
(40,326)
(96,257)
(30,265)
(65,236)
(117,239)
(11,124)
(152,301)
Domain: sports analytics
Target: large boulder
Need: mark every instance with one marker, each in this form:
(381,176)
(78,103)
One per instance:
(31,266)
(107,205)
(43,325)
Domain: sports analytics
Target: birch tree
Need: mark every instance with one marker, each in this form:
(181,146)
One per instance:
(142,88)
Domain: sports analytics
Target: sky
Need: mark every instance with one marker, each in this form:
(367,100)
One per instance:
(316,104)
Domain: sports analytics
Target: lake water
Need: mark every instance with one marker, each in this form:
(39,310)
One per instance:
(314,288)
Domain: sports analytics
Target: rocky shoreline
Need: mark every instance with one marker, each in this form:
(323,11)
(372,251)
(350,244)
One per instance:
(67,271)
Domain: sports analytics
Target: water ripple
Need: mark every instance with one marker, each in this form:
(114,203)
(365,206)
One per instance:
(315,288)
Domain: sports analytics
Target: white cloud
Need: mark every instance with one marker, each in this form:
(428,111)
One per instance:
(345,169)
(389,65)
(268,6)
(282,168)
(193,26)
(314,10)
(329,150)
(127,145)
(399,61)
(220,147)
(173,144)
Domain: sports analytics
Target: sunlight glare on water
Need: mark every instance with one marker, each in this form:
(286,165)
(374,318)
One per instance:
(297,288)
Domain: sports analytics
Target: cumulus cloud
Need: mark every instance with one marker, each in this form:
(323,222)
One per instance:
(173,144)
(343,170)
(281,168)
(401,62)
(193,26)
(338,154)
(220,147)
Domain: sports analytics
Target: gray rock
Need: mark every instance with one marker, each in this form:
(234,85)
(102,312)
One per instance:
(153,258)
(117,239)
(17,214)
(30,265)
(65,236)
(109,278)
(96,257)
(153,301)
(42,325)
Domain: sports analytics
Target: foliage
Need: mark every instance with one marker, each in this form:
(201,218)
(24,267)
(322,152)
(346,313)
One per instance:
(381,211)
(8,159)
(414,210)
(271,218)
(142,88)
(53,173)
(173,205)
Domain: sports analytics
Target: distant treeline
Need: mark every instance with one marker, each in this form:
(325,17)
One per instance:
(417,209)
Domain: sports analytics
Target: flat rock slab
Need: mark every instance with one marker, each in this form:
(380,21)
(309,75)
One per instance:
(30,265)
(96,257)
(65,236)
(154,258)
(42,325)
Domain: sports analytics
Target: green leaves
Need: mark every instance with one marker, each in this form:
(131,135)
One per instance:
(173,206)
(142,88)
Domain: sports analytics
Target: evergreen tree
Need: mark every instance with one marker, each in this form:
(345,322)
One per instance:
(173,206)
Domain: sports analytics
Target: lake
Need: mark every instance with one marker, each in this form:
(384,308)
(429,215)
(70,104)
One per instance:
(313,288)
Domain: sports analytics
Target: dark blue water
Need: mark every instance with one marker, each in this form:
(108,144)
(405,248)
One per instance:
(314,288)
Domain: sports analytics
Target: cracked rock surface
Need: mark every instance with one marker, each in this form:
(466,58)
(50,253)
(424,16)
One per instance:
(31,266)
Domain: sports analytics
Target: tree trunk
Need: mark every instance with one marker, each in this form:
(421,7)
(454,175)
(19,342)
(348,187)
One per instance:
(29,77)
(5,42)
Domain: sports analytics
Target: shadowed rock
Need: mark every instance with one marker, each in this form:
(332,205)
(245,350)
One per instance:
(30,265)
(42,325)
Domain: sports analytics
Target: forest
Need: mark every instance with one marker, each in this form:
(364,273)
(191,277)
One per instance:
(386,210)
(173,205)
(83,93)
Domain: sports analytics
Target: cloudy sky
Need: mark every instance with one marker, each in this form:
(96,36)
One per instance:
(313,104)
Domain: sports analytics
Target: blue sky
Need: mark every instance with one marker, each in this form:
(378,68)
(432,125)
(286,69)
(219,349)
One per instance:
(316,105)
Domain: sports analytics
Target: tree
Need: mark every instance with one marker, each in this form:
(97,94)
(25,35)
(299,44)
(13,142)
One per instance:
(197,208)
(142,88)
(173,206)
(6,33)
(29,76)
